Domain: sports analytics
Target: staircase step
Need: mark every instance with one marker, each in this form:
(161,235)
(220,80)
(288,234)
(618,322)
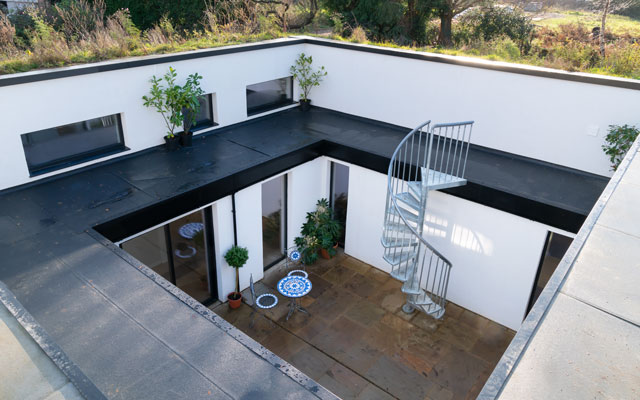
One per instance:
(412,287)
(398,257)
(416,189)
(408,215)
(392,227)
(439,180)
(432,309)
(403,273)
(409,200)
(389,242)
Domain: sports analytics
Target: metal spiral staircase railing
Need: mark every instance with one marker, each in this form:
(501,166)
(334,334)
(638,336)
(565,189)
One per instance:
(426,159)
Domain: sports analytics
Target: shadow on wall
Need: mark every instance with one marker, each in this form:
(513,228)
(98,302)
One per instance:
(458,235)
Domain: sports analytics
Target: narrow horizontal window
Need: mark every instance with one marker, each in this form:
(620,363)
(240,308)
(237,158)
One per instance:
(55,148)
(266,96)
(204,118)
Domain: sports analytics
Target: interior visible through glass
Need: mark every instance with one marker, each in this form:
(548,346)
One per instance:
(67,142)
(269,95)
(340,195)
(185,264)
(557,245)
(273,220)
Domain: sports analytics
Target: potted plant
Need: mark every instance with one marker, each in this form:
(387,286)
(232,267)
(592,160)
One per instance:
(320,234)
(236,257)
(190,100)
(166,101)
(307,78)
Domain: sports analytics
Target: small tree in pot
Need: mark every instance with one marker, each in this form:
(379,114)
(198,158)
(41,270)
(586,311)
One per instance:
(236,257)
(320,234)
(307,78)
(190,101)
(166,100)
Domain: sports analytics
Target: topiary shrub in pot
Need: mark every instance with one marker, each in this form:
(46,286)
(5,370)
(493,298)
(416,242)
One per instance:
(320,234)
(236,257)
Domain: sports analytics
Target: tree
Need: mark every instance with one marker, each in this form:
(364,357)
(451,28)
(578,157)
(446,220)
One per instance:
(447,10)
(403,21)
(607,7)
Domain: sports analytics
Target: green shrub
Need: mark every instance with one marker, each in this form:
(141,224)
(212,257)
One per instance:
(494,22)
(237,257)
(618,142)
(320,231)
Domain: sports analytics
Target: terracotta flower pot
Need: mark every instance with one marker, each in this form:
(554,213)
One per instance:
(325,254)
(234,303)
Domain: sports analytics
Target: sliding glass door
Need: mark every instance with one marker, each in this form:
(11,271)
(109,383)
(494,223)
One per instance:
(274,214)
(182,252)
(340,195)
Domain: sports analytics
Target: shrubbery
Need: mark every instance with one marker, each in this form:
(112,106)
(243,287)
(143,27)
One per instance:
(492,23)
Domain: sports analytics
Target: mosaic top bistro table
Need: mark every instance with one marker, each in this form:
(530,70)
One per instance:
(294,287)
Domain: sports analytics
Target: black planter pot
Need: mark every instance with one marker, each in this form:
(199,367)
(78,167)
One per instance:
(172,143)
(186,139)
(305,105)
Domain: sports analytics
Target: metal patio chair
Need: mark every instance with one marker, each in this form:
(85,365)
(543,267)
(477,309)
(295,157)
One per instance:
(294,262)
(265,301)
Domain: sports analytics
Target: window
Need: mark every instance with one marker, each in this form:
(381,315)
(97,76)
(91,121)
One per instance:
(274,220)
(182,252)
(555,247)
(66,145)
(269,95)
(204,118)
(340,195)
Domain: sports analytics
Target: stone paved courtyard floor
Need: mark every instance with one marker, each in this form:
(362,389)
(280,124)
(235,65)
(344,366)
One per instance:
(360,345)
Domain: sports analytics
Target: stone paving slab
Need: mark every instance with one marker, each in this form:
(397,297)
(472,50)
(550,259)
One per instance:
(579,353)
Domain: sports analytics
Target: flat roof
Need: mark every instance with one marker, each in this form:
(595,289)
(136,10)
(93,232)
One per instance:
(132,333)
(582,338)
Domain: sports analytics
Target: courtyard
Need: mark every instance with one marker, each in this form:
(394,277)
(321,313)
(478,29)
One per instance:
(359,344)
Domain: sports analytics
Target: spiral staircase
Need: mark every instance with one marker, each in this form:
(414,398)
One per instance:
(428,158)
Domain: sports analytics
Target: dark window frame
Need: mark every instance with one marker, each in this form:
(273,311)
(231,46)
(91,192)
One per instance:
(285,212)
(206,125)
(271,106)
(79,158)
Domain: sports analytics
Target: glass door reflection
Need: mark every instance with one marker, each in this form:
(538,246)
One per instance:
(179,251)
(273,220)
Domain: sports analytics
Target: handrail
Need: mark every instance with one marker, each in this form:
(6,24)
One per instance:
(395,203)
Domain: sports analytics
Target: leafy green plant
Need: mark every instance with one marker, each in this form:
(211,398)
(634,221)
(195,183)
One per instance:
(320,231)
(190,100)
(236,257)
(618,141)
(173,101)
(306,77)
(165,98)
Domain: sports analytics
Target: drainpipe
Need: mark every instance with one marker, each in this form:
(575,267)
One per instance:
(235,225)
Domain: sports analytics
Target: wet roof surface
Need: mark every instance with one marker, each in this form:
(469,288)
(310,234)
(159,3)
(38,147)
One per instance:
(135,338)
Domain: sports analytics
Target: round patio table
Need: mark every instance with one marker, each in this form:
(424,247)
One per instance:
(294,287)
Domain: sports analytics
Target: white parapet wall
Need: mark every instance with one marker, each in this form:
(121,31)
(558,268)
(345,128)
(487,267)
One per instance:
(495,255)
(49,103)
(555,120)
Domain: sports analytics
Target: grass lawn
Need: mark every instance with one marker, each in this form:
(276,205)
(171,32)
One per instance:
(616,24)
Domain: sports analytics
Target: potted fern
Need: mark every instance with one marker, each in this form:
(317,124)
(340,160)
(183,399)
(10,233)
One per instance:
(307,78)
(165,97)
(236,257)
(320,234)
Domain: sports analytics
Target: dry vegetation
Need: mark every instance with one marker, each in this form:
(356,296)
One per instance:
(82,32)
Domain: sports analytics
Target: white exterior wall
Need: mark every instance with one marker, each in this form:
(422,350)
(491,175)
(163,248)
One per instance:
(495,255)
(40,105)
(542,118)
(306,184)
(547,119)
